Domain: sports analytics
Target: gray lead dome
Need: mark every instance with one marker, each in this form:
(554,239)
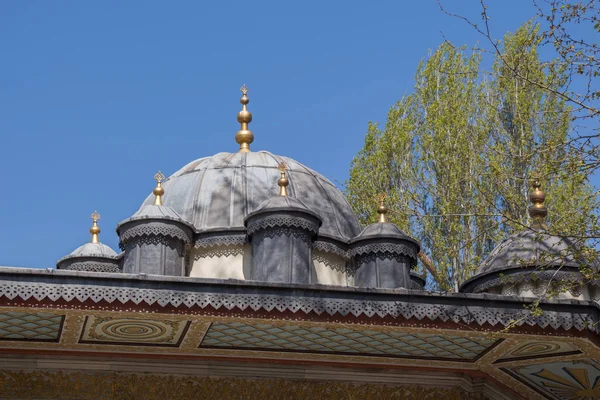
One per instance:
(94,257)
(92,250)
(218,192)
(531,248)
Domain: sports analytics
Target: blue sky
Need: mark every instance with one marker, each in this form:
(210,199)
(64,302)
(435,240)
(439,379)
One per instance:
(95,97)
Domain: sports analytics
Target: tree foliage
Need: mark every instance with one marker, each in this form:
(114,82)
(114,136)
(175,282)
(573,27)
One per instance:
(455,155)
(569,30)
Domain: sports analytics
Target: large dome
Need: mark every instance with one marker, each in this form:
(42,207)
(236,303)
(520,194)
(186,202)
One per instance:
(218,192)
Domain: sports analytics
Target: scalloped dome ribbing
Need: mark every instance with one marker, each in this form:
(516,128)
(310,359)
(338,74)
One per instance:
(92,250)
(530,248)
(218,192)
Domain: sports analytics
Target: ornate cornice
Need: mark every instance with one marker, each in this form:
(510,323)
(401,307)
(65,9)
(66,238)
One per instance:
(502,279)
(92,266)
(162,291)
(153,229)
(220,238)
(274,221)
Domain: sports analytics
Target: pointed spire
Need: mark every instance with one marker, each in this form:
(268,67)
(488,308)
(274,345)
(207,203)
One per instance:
(537,209)
(244,136)
(95,229)
(158,190)
(382,209)
(283,180)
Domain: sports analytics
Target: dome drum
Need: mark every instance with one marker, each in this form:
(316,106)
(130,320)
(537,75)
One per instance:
(568,282)
(220,237)
(386,269)
(532,262)
(91,257)
(417,281)
(154,245)
(383,256)
(281,233)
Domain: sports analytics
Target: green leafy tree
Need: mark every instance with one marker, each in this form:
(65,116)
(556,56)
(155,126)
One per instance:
(456,154)
(569,34)
(531,128)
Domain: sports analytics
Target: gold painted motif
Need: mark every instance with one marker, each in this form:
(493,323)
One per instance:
(132,331)
(577,380)
(75,318)
(538,348)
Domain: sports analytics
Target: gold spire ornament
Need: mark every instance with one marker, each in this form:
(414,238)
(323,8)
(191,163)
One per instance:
(537,209)
(283,180)
(382,209)
(158,190)
(244,136)
(95,229)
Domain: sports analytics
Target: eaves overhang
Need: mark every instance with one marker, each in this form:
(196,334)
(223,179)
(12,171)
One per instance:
(87,289)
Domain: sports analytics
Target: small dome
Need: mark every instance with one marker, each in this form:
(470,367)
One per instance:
(91,257)
(155,212)
(92,250)
(382,229)
(530,249)
(154,220)
(218,192)
(283,203)
(531,262)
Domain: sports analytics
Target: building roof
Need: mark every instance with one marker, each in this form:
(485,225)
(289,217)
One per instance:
(218,192)
(531,248)
(283,203)
(383,229)
(91,250)
(228,295)
(151,211)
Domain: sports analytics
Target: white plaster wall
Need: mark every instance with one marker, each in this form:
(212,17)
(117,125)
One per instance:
(529,289)
(235,262)
(330,269)
(221,262)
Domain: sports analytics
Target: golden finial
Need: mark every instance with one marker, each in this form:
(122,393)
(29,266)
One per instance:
(244,136)
(95,229)
(283,180)
(537,209)
(158,190)
(382,209)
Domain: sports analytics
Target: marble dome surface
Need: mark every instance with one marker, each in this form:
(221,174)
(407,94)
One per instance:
(216,193)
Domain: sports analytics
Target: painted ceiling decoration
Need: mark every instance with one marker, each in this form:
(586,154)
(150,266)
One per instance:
(578,380)
(247,275)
